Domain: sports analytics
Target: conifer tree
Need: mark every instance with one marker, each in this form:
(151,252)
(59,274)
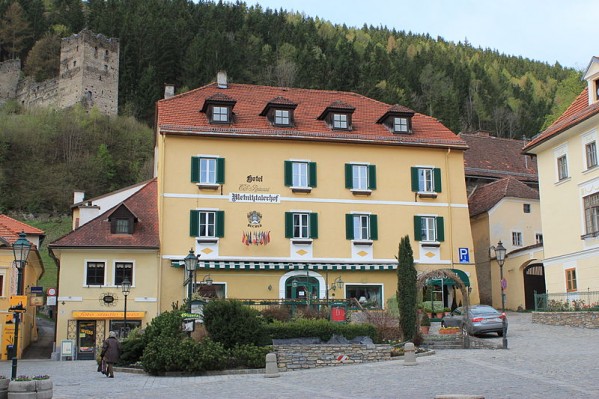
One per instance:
(406,290)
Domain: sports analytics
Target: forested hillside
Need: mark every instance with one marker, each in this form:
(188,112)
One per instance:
(186,43)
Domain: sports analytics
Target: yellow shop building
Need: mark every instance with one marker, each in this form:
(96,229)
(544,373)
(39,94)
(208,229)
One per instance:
(285,193)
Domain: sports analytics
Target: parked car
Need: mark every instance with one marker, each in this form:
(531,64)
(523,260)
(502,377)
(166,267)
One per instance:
(481,319)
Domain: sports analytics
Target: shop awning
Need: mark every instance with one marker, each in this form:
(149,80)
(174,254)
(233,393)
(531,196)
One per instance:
(447,281)
(231,265)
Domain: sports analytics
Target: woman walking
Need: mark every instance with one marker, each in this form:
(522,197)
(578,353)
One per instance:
(111,351)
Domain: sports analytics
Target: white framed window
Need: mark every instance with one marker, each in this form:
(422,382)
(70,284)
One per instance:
(340,121)
(426,180)
(301,225)
(591,154)
(282,117)
(220,114)
(361,227)
(400,125)
(561,162)
(122,271)
(571,283)
(526,208)
(539,238)
(95,273)
(429,228)
(122,226)
(360,177)
(591,213)
(2,282)
(299,174)
(207,223)
(369,296)
(207,170)
(516,238)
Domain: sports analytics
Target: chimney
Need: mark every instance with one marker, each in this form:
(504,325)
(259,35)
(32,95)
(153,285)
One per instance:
(221,80)
(78,196)
(169,90)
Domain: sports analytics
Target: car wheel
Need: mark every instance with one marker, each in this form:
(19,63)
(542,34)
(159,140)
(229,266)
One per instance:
(442,323)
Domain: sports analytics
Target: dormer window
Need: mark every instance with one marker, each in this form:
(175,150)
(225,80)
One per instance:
(122,220)
(597,88)
(398,119)
(338,116)
(279,112)
(219,108)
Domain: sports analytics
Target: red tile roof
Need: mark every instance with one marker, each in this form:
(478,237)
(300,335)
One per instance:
(10,229)
(495,157)
(487,196)
(96,233)
(577,112)
(180,115)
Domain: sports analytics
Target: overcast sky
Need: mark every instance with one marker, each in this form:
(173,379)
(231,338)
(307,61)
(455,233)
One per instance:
(565,31)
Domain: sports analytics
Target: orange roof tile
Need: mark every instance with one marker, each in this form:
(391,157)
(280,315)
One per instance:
(577,112)
(181,114)
(10,229)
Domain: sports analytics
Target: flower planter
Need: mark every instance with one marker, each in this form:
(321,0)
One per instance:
(425,329)
(447,331)
(4,388)
(33,389)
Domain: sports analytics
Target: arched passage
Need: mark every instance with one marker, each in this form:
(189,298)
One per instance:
(534,281)
(442,274)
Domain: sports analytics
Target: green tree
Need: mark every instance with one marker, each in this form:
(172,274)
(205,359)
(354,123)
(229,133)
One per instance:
(406,290)
(15,31)
(43,61)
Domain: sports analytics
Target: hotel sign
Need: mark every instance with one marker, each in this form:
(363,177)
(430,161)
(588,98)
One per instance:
(255,198)
(107,315)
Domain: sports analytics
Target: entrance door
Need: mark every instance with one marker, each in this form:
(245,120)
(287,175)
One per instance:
(86,340)
(534,281)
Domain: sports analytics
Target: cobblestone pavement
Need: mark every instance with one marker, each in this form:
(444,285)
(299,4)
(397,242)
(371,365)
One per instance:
(541,362)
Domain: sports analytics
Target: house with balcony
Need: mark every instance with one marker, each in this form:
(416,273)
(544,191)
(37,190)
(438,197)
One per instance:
(301,194)
(33,269)
(569,191)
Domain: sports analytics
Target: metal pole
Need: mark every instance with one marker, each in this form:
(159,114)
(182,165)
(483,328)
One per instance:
(503,321)
(190,281)
(125,317)
(15,349)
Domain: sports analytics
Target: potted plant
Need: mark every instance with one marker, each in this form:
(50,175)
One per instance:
(447,311)
(425,323)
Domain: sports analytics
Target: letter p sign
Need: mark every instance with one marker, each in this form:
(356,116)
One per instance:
(464,255)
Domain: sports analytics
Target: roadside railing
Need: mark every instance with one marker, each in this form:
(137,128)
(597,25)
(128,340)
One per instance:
(567,302)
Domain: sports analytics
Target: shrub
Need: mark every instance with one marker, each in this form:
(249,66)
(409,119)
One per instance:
(385,323)
(232,323)
(272,313)
(165,324)
(250,356)
(425,320)
(323,329)
(132,348)
(166,353)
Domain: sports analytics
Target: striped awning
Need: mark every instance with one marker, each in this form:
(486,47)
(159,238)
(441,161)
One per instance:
(239,265)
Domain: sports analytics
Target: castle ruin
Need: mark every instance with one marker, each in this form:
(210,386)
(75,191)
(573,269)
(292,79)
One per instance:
(89,74)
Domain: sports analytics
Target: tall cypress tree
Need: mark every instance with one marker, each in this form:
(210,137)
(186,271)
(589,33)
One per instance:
(406,290)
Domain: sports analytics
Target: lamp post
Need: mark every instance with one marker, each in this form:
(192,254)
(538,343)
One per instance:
(191,262)
(500,256)
(337,284)
(126,288)
(20,249)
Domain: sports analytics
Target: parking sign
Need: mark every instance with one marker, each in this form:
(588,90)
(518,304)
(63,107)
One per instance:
(464,255)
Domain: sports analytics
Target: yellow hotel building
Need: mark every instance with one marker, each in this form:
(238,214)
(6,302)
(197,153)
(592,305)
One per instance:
(280,192)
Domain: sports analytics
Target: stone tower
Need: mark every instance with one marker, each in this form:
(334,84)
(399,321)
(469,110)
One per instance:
(89,71)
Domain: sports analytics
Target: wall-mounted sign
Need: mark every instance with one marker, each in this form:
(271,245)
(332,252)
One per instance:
(37,290)
(254,219)
(255,198)
(51,291)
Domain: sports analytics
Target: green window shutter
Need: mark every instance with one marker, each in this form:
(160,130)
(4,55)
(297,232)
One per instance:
(349,226)
(312,174)
(220,170)
(195,169)
(372,177)
(220,223)
(440,229)
(415,185)
(417,228)
(314,225)
(194,223)
(288,224)
(288,173)
(374,227)
(349,176)
(437,177)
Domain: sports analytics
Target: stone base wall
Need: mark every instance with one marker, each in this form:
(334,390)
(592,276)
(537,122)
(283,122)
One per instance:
(573,319)
(294,357)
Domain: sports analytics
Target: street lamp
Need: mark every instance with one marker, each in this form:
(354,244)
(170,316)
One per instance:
(126,288)
(191,262)
(337,284)
(500,256)
(20,249)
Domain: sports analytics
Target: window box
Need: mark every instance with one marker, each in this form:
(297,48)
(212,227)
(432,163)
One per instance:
(361,192)
(302,241)
(430,244)
(363,242)
(423,194)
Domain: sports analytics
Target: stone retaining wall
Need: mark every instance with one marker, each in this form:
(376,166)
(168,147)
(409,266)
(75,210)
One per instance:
(573,319)
(294,357)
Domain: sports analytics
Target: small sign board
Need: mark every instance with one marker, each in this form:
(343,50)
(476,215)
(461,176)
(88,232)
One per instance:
(67,349)
(18,303)
(191,315)
(464,254)
(51,301)
(37,290)
(36,301)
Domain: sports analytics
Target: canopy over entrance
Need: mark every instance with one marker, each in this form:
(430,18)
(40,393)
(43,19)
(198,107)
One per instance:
(449,281)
